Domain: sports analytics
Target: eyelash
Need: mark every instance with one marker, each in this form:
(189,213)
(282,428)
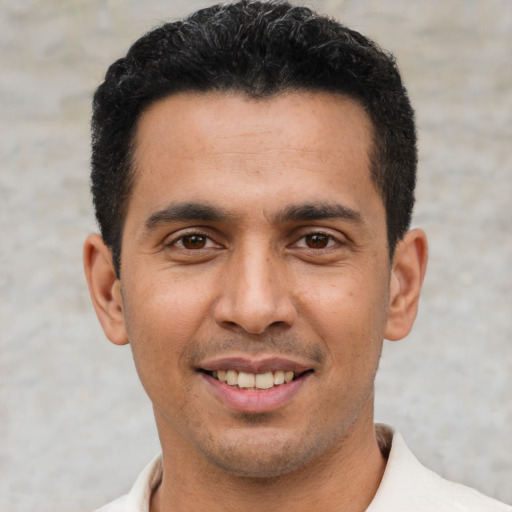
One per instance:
(175,242)
(331,240)
(179,241)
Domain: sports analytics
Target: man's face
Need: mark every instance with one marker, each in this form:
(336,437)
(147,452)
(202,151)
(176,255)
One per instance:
(255,244)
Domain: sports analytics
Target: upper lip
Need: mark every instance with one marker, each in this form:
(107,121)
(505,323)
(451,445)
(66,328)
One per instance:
(244,364)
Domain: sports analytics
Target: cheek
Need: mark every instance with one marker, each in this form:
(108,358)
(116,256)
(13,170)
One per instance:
(166,300)
(162,316)
(349,313)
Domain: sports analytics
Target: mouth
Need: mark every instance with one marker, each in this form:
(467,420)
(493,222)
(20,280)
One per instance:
(255,381)
(255,385)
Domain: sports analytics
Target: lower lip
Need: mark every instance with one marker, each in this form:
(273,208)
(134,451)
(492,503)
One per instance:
(250,401)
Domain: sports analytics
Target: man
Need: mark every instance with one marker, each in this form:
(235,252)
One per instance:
(253,176)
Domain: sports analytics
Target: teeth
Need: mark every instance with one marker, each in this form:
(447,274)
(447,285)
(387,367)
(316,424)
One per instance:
(246,380)
(253,381)
(279,377)
(265,380)
(232,377)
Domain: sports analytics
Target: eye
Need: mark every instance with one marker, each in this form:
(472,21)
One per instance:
(316,241)
(194,241)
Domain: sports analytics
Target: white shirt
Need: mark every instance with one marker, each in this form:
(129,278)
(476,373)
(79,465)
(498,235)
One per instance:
(407,486)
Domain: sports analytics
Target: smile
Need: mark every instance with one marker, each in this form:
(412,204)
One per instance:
(254,385)
(252,381)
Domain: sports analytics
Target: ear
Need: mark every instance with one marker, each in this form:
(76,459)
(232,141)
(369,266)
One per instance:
(409,266)
(105,289)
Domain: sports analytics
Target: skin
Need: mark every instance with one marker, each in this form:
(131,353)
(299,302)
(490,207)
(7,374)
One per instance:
(259,279)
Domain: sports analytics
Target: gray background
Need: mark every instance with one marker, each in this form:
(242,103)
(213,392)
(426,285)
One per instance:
(75,426)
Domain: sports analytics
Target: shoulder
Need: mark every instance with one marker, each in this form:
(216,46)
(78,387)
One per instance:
(408,486)
(137,500)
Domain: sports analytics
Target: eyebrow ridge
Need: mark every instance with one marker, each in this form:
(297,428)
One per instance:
(317,211)
(194,211)
(188,211)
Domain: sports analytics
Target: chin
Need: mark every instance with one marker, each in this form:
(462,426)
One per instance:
(271,456)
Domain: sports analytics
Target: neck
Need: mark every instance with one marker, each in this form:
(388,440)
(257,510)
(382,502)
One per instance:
(345,479)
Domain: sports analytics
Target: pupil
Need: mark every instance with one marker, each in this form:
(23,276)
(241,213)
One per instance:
(317,241)
(194,242)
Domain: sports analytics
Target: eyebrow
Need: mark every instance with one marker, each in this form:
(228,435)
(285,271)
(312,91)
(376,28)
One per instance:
(189,211)
(317,211)
(201,212)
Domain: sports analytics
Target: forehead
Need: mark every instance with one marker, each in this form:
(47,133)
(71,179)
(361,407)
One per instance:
(243,152)
(307,120)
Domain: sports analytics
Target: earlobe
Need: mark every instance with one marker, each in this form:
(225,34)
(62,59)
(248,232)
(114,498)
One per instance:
(409,266)
(104,289)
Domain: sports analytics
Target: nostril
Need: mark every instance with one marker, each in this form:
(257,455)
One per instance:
(252,312)
(278,323)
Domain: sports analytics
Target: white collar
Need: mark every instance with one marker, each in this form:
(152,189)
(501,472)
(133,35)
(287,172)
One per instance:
(407,486)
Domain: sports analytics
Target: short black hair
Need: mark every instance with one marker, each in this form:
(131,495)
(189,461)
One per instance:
(259,49)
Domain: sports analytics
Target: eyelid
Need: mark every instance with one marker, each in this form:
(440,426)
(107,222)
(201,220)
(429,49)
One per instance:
(172,240)
(338,239)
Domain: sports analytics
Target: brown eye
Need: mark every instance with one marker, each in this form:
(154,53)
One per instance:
(194,241)
(317,241)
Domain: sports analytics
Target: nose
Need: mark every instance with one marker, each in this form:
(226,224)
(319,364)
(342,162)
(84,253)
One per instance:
(255,294)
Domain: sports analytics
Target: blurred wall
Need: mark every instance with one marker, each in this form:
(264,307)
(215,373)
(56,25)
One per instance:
(75,426)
